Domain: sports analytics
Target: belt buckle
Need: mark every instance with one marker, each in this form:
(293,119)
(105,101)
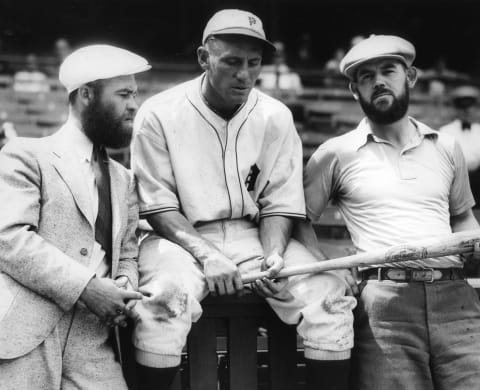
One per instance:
(432,273)
(432,279)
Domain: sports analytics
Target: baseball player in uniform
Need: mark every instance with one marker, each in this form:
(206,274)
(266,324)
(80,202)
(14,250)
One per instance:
(219,170)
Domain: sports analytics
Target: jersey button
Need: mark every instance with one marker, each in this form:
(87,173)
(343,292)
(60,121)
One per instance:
(84,251)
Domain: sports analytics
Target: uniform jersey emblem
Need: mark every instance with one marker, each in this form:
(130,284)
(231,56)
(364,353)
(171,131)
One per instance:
(252,177)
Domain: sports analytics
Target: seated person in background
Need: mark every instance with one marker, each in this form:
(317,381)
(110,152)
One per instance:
(333,64)
(356,39)
(304,51)
(278,76)
(61,49)
(331,68)
(466,129)
(439,77)
(31,79)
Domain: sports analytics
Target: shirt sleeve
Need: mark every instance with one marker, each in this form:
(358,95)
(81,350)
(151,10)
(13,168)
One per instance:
(283,194)
(461,198)
(318,182)
(152,167)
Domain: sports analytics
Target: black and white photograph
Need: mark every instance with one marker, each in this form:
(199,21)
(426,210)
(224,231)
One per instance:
(239,195)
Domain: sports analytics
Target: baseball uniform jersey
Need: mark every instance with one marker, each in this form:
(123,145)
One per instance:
(210,168)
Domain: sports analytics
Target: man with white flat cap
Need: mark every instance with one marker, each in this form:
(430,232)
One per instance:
(394,179)
(219,170)
(465,127)
(68,250)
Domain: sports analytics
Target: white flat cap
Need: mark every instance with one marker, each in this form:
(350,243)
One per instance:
(377,46)
(238,22)
(98,62)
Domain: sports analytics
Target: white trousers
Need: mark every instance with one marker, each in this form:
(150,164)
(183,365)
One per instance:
(174,285)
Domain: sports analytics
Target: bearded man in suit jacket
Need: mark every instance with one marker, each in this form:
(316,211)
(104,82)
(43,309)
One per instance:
(68,250)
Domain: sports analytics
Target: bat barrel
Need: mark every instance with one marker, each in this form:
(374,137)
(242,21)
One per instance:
(451,244)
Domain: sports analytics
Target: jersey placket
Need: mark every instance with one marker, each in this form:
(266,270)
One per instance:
(231,169)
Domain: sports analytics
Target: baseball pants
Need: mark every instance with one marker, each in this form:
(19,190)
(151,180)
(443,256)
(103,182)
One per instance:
(174,285)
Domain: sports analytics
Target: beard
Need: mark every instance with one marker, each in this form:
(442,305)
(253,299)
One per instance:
(103,127)
(391,114)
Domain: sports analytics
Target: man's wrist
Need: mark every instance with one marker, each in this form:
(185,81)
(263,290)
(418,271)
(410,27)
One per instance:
(88,286)
(274,254)
(125,280)
(207,254)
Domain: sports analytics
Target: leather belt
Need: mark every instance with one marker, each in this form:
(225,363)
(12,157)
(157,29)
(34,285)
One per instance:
(413,275)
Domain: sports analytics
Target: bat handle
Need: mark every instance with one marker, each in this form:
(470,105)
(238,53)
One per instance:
(251,277)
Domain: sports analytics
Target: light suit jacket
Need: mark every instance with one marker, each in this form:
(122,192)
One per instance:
(47,236)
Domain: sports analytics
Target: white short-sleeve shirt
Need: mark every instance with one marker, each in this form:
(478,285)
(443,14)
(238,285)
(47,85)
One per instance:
(386,197)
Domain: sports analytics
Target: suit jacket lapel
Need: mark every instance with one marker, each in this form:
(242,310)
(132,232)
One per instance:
(69,170)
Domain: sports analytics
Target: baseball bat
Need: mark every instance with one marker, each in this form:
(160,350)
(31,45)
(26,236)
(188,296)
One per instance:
(451,244)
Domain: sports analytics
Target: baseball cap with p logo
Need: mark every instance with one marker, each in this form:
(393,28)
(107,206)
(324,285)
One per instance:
(236,22)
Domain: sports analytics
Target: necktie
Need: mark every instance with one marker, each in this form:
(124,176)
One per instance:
(277,77)
(103,223)
(466,125)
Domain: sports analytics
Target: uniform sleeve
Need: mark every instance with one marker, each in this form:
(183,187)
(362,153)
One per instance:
(461,198)
(318,181)
(283,194)
(151,164)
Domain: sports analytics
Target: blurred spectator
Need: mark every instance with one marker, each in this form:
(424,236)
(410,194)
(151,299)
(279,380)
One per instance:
(439,77)
(61,49)
(332,69)
(305,49)
(466,129)
(3,64)
(7,132)
(332,66)
(31,79)
(278,78)
(356,39)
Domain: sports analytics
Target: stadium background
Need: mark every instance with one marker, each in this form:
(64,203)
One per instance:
(169,31)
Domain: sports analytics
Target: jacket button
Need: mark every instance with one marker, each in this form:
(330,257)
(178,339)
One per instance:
(84,251)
